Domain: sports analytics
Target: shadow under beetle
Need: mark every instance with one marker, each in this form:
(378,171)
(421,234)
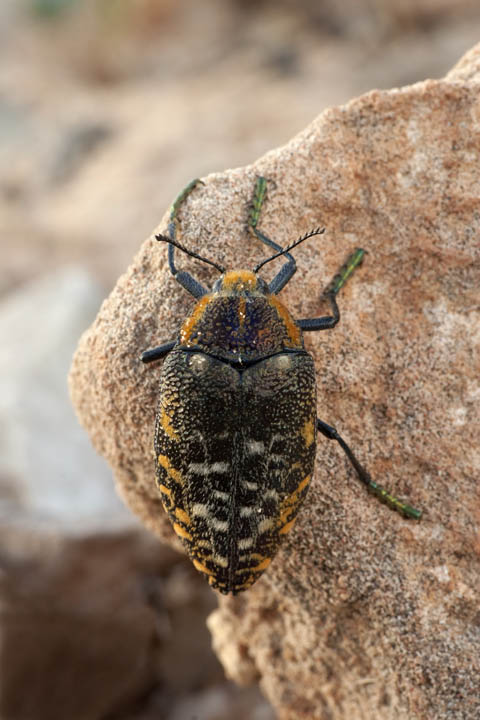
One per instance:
(235,431)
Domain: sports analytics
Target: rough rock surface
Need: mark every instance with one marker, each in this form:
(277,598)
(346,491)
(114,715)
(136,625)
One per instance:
(363,614)
(48,470)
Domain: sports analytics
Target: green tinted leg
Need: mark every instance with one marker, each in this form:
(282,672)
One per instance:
(173,225)
(373,487)
(337,282)
(184,278)
(346,271)
(289,268)
(393,502)
(328,322)
(259,195)
(257,202)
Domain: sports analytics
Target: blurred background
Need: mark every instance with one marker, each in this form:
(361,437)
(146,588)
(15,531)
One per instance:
(107,109)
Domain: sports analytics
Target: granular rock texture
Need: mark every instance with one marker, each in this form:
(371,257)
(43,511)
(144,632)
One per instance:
(363,614)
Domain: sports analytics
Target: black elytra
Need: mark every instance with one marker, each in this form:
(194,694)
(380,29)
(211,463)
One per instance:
(236,426)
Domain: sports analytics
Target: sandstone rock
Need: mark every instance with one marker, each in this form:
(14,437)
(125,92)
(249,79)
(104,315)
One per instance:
(363,613)
(78,637)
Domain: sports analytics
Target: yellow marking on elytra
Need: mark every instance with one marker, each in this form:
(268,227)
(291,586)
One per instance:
(181,532)
(284,514)
(172,473)
(166,504)
(265,562)
(308,432)
(292,328)
(182,516)
(287,527)
(165,422)
(242,304)
(262,566)
(201,567)
(166,497)
(291,501)
(249,581)
(189,324)
(303,484)
(204,544)
(240,280)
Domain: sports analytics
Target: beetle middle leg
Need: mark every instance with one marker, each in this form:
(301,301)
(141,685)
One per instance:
(327,322)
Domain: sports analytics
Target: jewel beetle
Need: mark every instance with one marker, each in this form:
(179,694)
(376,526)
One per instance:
(236,425)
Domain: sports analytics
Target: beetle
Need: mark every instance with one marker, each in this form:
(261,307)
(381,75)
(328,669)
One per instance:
(236,425)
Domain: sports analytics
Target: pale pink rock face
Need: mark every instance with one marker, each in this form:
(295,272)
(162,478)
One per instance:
(362,613)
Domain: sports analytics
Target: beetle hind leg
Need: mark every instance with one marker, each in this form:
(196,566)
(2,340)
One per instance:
(380,492)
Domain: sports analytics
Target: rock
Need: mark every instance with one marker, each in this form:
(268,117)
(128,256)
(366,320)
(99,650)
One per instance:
(72,621)
(75,147)
(362,613)
(47,466)
(78,637)
(227,702)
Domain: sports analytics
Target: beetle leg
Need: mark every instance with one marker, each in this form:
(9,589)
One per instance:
(289,268)
(345,272)
(158,352)
(383,495)
(327,322)
(184,278)
(254,214)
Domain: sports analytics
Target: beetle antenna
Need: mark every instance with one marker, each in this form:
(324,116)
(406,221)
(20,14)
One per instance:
(317,231)
(165,238)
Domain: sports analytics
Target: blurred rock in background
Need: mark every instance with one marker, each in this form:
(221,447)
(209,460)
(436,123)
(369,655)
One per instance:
(107,108)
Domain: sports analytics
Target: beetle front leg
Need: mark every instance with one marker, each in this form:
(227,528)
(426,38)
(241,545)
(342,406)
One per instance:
(289,268)
(186,280)
(383,495)
(158,352)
